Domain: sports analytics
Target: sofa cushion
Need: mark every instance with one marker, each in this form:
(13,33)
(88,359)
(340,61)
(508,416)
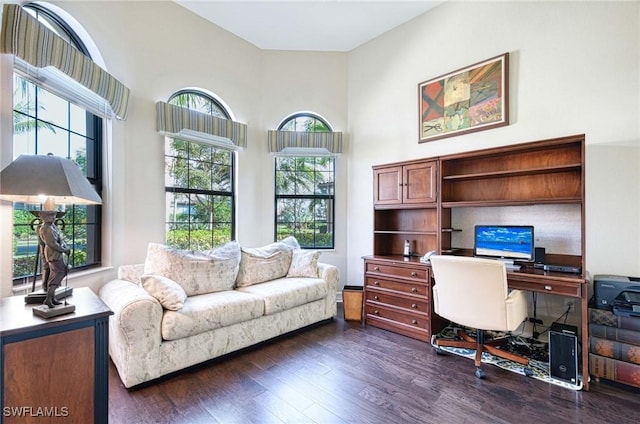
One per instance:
(210,311)
(197,272)
(287,293)
(169,293)
(264,263)
(304,263)
(131,273)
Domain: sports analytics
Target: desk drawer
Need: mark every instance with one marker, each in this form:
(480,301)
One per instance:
(553,287)
(412,305)
(414,320)
(410,287)
(397,271)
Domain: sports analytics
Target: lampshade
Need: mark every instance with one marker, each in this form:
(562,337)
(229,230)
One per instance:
(46,179)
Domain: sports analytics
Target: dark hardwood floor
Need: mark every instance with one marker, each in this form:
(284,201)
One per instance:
(342,372)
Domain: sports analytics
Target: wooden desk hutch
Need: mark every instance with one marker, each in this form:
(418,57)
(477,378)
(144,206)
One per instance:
(414,200)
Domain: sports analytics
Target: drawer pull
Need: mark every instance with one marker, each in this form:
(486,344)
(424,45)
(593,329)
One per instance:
(375,298)
(376,283)
(414,306)
(414,274)
(376,312)
(414,322)
(414,290)
(548,287)
(376,268)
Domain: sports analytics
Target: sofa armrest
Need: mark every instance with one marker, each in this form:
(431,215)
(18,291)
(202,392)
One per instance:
(331,275)
(134,331)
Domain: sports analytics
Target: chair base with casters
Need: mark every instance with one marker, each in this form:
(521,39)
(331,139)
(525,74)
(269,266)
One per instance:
(481,345)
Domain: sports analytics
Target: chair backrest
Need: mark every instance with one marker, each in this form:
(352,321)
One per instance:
(471,291)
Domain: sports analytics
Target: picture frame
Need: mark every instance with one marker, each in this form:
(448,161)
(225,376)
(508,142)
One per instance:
(470,99)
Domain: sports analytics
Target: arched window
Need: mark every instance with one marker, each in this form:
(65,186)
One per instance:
(199,182)
(45,122)
(304,188)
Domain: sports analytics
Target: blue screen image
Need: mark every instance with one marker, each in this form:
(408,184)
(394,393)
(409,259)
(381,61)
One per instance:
(511,242)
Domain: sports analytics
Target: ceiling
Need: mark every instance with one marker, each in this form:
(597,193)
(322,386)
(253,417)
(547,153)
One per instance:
(328,25)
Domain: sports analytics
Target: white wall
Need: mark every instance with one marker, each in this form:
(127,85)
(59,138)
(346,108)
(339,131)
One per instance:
(574,68)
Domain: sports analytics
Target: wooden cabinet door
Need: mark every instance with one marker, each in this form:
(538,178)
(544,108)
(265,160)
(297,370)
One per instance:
(419,183)
(387,185)
(52,377)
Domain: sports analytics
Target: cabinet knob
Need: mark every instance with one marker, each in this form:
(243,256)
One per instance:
(375,298)
(376,268)
(414,274)
(547,287)
(376,283)
(414,290)
(414,306)
(414,322)
(376,312)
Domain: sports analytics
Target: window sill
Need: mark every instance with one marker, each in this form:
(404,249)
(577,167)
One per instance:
(23,289)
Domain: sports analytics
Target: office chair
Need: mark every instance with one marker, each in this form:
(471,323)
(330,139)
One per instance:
(473,292)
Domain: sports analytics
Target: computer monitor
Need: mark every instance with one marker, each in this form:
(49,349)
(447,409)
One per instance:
(508,242)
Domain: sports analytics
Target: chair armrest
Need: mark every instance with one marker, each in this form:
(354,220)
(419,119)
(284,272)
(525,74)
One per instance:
(517,309)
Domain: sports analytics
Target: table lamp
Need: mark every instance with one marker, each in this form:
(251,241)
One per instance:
(48,180)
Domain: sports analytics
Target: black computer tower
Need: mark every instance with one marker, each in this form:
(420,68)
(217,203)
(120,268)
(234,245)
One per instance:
(563,352)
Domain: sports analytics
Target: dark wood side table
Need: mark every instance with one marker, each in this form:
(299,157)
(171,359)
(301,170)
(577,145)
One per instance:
(54,370)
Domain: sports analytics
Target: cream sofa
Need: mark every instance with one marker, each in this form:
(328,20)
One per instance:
(182,308)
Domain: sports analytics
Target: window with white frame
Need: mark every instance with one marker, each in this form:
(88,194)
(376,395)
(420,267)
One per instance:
(199,183)
(43,123)
(304,189)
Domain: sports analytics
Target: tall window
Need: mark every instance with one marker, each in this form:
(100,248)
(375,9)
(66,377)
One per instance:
(199,183)
(304,190)
(43,123)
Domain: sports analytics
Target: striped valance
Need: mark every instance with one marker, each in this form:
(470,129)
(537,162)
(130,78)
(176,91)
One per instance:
(280,140)
(182,122)
(29,40)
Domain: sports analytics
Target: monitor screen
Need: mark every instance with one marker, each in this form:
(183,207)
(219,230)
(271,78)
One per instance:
(504,241)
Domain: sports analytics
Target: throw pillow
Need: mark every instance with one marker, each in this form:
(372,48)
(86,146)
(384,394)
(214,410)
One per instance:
(263,264)
(291,242)
(196,272)
(226,262)
(169,293)
(304,263)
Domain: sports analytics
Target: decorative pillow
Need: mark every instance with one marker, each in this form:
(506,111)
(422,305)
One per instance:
(196,272)
(263,264)
(304,263)
(291,242)
(169,293)
(226,262)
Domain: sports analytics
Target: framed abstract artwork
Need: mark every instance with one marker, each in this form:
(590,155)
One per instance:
(470,99)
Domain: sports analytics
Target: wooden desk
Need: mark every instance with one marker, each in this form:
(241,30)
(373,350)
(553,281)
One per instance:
(398,297)
(54,370)
(557,283)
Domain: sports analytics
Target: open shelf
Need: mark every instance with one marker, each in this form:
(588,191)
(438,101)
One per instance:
(513,173)
(407,232)
(528,202)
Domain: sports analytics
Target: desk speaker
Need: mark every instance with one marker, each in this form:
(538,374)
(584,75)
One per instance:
(540,253)
(563,352)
